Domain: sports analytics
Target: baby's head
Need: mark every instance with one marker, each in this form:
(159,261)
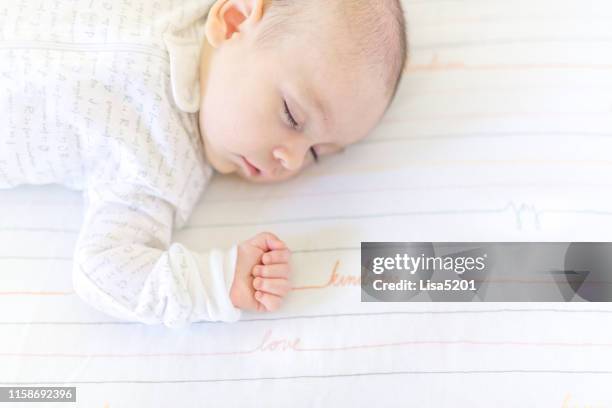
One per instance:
(285,80)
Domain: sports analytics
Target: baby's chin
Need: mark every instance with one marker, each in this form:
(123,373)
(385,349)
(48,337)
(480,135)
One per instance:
(255,179)
(225,170)
(264,179)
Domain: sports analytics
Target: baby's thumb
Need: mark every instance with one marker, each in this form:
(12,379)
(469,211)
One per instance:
(267,241)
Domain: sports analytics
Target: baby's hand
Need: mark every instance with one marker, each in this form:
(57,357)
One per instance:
(261,279)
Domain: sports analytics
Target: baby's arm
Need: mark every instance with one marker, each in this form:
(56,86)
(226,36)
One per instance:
(126,266)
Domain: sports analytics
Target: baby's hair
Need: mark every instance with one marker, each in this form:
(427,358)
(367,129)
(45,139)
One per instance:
(376,27)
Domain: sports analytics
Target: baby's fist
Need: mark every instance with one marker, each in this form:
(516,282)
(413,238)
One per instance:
(261,279)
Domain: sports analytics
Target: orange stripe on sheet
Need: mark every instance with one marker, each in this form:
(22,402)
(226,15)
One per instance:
(269,343)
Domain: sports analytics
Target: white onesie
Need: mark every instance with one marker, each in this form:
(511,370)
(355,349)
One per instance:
(103,97)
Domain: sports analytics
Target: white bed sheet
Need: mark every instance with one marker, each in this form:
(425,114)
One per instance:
(502,131)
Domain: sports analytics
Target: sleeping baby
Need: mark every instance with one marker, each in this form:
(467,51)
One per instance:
(137,104)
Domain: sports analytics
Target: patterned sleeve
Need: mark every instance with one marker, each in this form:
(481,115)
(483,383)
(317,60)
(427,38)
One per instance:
(126,266)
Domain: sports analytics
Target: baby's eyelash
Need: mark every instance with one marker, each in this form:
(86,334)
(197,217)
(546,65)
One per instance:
(294,124)
(314,154)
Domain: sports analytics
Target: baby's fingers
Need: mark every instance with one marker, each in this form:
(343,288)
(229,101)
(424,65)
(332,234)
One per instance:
(276,257)
(275,286)
(272,271)
(269,302)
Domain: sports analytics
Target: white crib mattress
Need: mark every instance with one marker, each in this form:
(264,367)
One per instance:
(502,131)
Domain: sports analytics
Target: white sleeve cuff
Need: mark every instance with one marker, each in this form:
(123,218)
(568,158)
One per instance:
(210,291)
(225,260)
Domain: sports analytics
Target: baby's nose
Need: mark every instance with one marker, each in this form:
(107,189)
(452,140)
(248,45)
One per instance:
(291,158)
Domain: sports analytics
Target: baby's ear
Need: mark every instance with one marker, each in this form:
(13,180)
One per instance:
(228,17)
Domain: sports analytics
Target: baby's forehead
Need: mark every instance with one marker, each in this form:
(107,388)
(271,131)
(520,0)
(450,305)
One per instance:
(330,73)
